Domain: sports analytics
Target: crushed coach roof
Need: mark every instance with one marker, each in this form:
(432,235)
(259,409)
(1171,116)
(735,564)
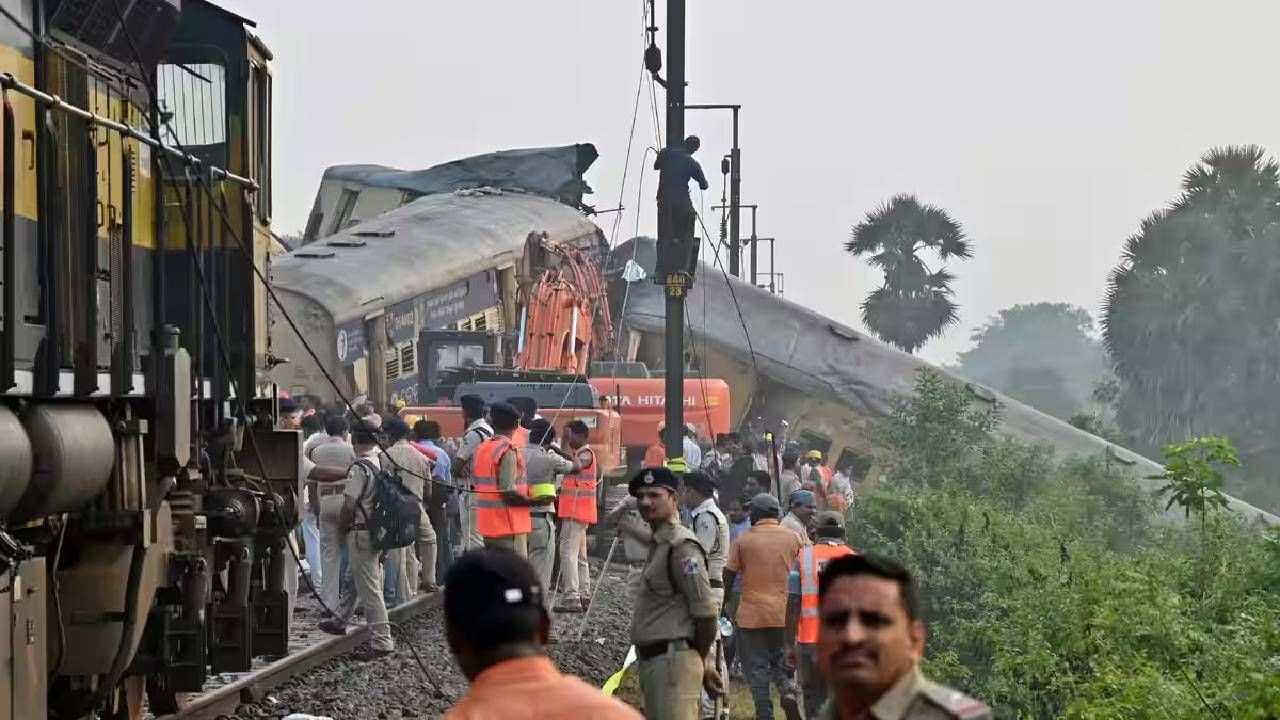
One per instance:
(552,172)
(819,356)
(427,244)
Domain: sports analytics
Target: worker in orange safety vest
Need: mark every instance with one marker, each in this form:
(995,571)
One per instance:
(528,409)
(578,501)
(802,607)
(501,486)
(817,473)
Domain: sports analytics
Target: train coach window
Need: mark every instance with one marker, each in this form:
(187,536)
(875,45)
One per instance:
(346,206)
(813,441)
(854,464)
(408,358)
(401,360)
(392,357)
(193,104)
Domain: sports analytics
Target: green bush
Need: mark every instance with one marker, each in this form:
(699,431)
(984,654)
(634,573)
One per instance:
(1053,590)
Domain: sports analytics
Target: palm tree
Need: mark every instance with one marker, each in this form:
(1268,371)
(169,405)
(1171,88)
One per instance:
(1189,318)
(914,303)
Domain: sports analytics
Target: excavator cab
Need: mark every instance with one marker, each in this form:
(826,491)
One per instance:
(442,352)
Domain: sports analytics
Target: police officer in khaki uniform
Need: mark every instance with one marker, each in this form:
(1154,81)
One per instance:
(712,530)
(674,624)
(636,535)
(871,643)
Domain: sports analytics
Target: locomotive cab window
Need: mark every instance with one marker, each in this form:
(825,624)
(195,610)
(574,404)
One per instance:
(193,113)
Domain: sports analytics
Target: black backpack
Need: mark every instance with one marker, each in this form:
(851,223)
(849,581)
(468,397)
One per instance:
(397,512)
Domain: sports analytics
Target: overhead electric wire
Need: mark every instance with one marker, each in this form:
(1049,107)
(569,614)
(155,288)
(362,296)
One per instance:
(653,104)
(635,249)
(631,134)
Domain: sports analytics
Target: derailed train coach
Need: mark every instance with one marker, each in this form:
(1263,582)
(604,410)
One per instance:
(809,378)
(445,264)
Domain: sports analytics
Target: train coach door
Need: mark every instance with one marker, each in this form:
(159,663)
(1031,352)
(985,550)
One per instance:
(376,336)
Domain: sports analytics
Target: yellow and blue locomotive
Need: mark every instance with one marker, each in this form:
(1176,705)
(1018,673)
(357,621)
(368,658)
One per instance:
(146,496)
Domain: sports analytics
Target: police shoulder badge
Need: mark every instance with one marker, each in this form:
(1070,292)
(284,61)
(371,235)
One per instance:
(690,566)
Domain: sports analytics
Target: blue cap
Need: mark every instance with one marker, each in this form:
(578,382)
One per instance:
(654,477)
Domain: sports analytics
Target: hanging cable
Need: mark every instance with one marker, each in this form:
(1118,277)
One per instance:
(631,134)
(635,249)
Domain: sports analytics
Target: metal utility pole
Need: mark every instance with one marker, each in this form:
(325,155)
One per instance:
(735,198)
(676,283)
(736,245)
(735,188)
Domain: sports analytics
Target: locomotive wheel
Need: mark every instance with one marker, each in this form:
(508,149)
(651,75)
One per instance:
(128,696)
(162,700)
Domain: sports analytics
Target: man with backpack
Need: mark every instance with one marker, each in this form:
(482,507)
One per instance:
(414,470)
(366,559)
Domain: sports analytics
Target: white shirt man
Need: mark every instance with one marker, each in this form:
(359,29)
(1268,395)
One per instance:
(477,432)
(692,453)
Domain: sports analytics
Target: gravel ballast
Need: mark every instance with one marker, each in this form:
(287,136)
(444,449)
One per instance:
(394,687)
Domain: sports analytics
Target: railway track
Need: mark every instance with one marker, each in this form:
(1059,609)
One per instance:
(253,687)
(317,677)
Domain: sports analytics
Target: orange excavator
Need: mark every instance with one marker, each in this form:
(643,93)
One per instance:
(565,324)
(565,308)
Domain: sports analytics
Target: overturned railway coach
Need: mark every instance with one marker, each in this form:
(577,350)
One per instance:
(809,378)
(138,553)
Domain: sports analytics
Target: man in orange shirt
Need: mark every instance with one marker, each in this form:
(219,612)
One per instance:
(763,555)
(656,455)
(497,626)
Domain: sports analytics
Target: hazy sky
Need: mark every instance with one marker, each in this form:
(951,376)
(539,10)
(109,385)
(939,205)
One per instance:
(1048,130)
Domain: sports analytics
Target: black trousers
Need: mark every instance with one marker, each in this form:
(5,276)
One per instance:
(762,650)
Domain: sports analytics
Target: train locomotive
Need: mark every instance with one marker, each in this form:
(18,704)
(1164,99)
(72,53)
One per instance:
(146,495)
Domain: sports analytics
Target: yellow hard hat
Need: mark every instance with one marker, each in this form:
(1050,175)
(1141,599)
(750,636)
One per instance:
(814,455)
(411,420)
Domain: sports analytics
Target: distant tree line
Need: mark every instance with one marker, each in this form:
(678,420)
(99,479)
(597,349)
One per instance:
(1192,318)
(1190,330)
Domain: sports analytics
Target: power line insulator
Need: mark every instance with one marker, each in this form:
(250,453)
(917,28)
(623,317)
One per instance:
(652,59)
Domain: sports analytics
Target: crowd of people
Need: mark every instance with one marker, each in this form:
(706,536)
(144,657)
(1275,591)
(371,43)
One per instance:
(738,571)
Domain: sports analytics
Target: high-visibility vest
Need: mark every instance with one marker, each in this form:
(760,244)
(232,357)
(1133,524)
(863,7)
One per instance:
(542,490)
(812,560)
(578,492)
(520,437)
(494,518)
